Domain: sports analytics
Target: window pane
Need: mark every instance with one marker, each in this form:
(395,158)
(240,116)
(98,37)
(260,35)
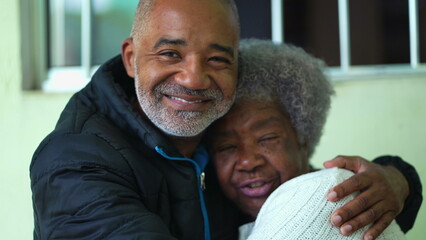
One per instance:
(111,25)
(422,30)
(313,25)
(255,18)
(65,33)
(379,29)
(379,32)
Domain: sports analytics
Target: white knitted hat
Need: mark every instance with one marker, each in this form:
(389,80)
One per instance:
(298,209)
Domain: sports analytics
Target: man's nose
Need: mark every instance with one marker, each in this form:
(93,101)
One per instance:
(194,75)
(249,159)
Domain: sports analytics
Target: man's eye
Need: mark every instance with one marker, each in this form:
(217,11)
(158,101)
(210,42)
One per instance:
(169,54)
(220,59)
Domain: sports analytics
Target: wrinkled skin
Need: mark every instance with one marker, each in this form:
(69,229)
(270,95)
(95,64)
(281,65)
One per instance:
(185,67)
(383,193)
(255,149)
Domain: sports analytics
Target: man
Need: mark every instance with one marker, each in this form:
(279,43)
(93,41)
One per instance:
(270,133)
(123,164)
(123,161)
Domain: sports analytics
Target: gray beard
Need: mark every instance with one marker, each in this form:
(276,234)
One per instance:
(180,123)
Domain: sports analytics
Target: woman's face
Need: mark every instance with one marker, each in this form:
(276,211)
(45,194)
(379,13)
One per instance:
(255,149)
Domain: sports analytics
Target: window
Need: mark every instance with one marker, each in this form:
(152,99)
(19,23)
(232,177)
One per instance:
(362,38)
(82,35)
(356,38)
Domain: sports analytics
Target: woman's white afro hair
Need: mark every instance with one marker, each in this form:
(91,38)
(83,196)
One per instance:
(286,74)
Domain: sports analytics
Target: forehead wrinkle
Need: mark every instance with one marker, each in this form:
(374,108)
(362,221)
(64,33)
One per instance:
(259,125)
(265,122)
(226,49)
(166,41)
(223,134)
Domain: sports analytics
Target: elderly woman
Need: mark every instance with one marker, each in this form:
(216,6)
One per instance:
(272,130)
(298,209)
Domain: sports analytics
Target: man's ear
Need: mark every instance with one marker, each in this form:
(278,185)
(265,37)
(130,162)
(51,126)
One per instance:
(128,55)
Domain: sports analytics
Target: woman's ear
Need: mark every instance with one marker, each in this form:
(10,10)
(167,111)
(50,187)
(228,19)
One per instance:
(127,54)
(305,157)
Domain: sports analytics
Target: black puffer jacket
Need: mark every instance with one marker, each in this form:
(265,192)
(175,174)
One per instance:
(106,173)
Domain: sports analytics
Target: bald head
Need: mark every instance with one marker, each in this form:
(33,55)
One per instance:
(183,44)
(143,11)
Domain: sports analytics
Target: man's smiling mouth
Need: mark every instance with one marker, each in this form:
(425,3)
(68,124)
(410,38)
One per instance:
(186,101)
(190,103)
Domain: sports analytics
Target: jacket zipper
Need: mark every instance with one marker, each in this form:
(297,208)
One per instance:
(201,187)
(203,181)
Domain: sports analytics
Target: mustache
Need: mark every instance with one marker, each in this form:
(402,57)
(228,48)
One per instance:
(176,89)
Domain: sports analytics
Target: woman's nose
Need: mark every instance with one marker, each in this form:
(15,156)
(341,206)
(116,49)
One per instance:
(249,159)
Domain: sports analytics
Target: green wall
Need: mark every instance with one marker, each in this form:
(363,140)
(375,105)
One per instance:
(368,118)
(25,118)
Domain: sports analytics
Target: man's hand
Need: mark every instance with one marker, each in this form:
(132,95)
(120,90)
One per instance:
(383,192)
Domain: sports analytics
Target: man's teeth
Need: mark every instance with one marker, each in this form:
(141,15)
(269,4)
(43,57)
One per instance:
(183,100)
(256,184)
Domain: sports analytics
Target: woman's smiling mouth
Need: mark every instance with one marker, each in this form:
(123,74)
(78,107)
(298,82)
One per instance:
(257,188)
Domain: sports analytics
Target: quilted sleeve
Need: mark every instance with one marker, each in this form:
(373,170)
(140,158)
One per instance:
(82,189)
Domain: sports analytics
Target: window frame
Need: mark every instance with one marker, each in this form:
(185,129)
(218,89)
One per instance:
(69,79)
(33,43)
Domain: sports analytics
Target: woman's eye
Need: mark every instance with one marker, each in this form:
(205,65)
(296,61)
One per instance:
(225,148)
(269,138)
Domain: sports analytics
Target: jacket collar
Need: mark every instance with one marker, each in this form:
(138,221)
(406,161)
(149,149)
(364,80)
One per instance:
(113,93)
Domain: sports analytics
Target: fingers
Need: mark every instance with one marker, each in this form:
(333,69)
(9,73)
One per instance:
(338,161)
(379,226)
(361,220)
(382,196)
(355,183)
(353,164)
(362,210)
(377,215)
